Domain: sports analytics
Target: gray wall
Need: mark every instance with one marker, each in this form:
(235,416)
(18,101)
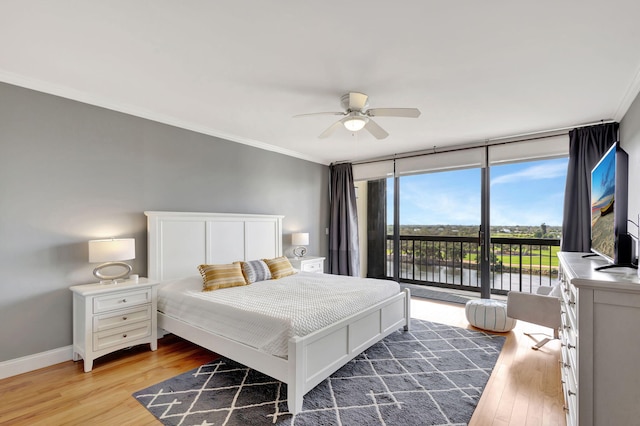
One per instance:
(71,172)
(630,141)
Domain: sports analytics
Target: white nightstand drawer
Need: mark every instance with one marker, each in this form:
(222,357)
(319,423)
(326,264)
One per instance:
(308,264)
(116,319)
(122,299)
(116,336)
(312,267)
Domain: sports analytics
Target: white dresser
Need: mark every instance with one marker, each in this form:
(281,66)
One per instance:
(109,317)
(308,264)
(600,336)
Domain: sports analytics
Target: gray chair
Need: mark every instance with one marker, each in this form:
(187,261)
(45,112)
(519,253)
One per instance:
(542,308)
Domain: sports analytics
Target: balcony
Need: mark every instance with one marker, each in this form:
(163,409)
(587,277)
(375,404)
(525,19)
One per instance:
(521,264)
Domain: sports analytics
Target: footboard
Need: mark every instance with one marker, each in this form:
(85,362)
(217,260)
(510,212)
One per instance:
(311,358)
(316,356)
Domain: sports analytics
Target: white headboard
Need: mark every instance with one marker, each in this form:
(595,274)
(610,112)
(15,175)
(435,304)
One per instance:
(178,242)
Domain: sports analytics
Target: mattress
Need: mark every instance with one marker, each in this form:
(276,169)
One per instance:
(266,314)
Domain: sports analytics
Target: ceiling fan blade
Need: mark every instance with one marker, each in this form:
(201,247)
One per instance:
(377,131)
(357,101)
(330,130)
(318,113)
(394,112)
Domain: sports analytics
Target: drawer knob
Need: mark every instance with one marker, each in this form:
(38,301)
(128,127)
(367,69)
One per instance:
(565,408)
(124,335)
(124,318)
(124,300)
(570,392)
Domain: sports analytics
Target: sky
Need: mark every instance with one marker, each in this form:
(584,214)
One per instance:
(528,193)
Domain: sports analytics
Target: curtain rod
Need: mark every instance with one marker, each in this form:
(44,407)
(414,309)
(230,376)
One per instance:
(559,129)
(501,140)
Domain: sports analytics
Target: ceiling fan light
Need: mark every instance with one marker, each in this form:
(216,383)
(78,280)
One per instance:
(354,124)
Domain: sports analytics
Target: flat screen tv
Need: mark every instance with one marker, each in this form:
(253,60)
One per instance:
(609,192)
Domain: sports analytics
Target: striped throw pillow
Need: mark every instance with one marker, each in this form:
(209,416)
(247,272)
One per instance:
(255,270)
(221,276)
(279,267)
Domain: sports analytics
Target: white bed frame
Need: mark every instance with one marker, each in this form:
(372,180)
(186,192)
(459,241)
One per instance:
(179,242)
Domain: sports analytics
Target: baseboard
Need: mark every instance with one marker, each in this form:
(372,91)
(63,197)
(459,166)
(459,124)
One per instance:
(13,367)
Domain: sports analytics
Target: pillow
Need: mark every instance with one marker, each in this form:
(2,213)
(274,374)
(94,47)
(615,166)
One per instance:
(280,267)
(221,276)
(255,270)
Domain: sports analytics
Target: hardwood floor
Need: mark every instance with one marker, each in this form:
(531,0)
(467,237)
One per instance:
(524,388)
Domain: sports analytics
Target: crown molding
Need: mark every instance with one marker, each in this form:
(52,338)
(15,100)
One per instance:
(628,98)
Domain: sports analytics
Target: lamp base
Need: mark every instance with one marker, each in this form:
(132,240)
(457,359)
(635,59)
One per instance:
(112,279)
(299,252)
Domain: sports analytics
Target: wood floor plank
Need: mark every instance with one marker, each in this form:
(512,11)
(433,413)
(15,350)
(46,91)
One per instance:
(524,385)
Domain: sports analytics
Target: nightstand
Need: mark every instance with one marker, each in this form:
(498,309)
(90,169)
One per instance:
(109,317)
(308,264)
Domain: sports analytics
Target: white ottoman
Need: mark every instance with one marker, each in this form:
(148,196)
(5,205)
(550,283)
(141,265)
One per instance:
(489,314)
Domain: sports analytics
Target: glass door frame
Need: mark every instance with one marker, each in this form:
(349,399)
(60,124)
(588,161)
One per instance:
(484,233)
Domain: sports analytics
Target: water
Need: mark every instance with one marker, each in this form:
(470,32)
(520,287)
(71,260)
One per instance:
(470,278)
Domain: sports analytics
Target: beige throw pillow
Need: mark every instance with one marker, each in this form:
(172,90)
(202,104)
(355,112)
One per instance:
(221,276)
(280,267)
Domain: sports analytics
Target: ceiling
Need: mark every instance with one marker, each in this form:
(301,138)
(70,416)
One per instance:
(241,70)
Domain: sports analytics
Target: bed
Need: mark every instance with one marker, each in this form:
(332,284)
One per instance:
(179,241)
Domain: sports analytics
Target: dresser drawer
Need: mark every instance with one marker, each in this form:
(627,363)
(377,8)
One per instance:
(568,328)
(569,388)
(120,300)
(312,267)
(119,318)
(116,336)
(569,350)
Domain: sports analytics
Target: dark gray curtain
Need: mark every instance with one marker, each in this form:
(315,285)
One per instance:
(344,258)
(586,146)
(377,228)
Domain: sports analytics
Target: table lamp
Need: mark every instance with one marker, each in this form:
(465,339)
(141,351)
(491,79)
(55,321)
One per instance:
(300,239)
(112,252)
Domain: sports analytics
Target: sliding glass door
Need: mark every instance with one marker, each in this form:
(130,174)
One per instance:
(526,223)
(467,218)
(439,221)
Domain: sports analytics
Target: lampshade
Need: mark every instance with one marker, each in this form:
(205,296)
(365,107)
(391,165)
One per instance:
(110,250)
(354,124)
(300,239)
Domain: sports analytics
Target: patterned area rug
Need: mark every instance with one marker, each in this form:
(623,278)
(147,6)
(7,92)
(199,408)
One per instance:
(432,375)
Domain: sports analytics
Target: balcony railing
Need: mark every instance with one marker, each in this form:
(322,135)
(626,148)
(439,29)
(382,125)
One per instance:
(521,264)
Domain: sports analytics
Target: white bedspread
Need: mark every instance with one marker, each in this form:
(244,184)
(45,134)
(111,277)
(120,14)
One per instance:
(266,314)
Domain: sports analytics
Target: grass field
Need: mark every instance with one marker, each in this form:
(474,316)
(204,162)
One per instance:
(532,258)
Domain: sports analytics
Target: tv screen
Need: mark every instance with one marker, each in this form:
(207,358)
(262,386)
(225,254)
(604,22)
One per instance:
(609,236)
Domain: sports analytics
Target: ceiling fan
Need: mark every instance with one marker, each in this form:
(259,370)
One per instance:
(357,116)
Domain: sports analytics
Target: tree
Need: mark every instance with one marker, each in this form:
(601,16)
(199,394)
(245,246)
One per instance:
(543,228)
